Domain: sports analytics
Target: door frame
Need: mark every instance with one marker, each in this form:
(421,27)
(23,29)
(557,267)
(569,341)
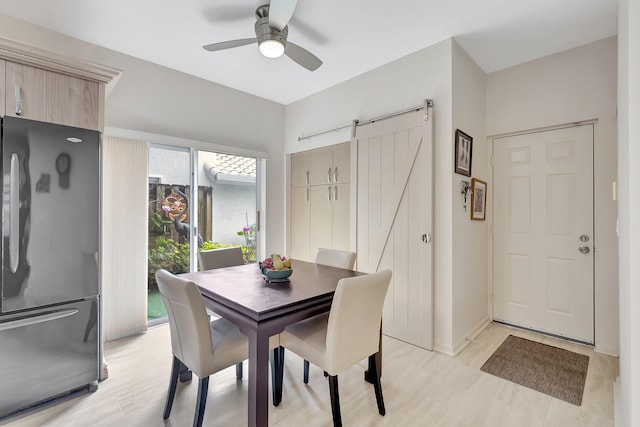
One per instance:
(491,139)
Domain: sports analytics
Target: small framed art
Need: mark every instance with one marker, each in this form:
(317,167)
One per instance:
(478,199)
(464,145)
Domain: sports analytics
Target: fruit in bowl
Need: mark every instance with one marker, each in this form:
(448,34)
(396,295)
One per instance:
(276,268)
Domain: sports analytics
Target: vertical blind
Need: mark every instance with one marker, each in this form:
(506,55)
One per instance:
(124,237)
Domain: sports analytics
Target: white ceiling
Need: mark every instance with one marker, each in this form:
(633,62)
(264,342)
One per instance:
(350,36)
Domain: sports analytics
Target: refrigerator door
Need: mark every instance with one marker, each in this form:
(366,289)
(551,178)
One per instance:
(50,212)
(46,353)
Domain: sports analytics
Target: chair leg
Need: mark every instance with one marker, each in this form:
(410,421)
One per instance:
(239,371)
(305,375)
(376,384)
(335,400)
(201,402)
(173,382)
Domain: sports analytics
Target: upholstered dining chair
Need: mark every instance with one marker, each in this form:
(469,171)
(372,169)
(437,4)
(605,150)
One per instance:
(220,258)
(332,258)
(350,332)
(336,258)
(198,345)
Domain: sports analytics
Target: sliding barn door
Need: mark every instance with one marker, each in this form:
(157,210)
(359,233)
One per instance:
(394,219)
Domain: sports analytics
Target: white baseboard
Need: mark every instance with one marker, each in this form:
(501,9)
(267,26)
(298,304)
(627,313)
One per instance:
(618,418)
(461,344)
(609,351)
(470,336)
(444,349)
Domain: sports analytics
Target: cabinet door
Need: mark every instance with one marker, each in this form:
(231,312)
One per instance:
(3,92)
(29,82)
(340,216)
(300,169)
(299,223)
(71,101)
(320,218)
(321,168)
(341,163)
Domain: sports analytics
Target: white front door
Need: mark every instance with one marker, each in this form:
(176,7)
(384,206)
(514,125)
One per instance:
(543,231)
(394,211)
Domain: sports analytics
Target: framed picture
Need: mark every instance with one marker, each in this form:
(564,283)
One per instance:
(478,199)
(464,144)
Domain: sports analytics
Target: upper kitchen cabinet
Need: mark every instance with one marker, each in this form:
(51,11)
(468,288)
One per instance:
(71,101)
(300,169)
(322,166)
(41,85)
(329,165)
(341,155)
(25,92)
(37,94)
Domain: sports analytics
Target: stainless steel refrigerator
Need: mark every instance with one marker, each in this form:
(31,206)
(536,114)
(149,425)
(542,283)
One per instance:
(49,330)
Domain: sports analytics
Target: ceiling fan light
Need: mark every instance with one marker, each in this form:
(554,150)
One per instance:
(271,48)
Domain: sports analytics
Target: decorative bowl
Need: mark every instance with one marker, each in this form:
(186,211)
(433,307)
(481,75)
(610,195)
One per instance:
(275,275)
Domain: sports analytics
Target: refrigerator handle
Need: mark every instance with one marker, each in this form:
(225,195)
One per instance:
(45,317)
(14,214)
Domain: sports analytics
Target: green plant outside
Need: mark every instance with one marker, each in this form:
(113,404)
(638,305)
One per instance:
(173,256)
(249,248)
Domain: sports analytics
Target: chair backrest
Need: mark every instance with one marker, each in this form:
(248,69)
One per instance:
(219,258)
(336,258)
(188,322)
(353,330)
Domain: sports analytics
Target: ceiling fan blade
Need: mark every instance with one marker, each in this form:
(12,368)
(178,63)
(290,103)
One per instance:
(280,12)
(302,56)
(228,44)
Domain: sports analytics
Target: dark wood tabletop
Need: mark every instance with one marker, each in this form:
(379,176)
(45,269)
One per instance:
(244,289)
(262,309)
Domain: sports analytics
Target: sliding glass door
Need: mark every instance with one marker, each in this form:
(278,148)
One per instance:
(227,200)
(198,200)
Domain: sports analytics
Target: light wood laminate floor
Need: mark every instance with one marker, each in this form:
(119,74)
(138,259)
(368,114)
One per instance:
(421,388)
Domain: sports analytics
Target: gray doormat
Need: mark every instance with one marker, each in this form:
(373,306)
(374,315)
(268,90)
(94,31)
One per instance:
(550,370)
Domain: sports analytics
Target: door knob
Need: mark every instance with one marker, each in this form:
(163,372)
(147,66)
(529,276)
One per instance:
(584,249)
(426,238)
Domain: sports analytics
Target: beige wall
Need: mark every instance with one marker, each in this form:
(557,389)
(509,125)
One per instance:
(470,238)
(572,86)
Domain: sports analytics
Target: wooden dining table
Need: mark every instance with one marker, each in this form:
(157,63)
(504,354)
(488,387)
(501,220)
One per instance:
(261,309)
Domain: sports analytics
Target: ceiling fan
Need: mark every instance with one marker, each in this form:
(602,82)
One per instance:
(271,34)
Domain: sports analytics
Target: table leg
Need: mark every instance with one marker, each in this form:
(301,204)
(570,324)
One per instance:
(258,405)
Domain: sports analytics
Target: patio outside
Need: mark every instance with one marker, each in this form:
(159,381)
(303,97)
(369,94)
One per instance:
(226,213)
